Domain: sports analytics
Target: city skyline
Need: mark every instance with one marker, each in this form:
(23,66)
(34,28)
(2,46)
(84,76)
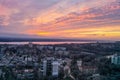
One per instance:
(74,19)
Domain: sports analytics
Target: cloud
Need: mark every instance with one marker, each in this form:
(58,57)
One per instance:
(97,21)
(4,21)
(63,18)
(65,7)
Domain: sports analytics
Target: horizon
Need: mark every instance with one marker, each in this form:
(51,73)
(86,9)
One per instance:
(60,19)
(44,39)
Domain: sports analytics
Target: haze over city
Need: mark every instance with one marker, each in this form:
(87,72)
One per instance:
(75,19)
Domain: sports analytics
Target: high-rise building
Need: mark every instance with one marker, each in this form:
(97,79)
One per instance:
(115,59)
(44,67)
(55,68)
(50,67)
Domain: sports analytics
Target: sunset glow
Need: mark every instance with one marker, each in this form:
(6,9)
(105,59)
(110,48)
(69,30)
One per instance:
(77,19)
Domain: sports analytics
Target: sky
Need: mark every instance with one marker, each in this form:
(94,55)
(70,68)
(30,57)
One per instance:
(74,19)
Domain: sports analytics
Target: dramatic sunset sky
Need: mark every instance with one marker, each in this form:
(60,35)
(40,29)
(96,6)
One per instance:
(76,19)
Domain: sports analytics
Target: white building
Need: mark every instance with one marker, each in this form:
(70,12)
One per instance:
(40,47)
(79,63)
(44,67)
(55,68)
(60,48)
(115,59)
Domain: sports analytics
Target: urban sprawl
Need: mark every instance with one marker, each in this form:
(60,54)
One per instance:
(89,61)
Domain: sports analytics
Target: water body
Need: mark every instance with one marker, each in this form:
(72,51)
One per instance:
(49,43)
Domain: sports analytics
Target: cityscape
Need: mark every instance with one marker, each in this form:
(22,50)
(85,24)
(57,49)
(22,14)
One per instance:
(86,61)
(59,39)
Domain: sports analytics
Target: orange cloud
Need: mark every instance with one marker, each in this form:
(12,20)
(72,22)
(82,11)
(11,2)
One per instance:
(103,32)
(7,11)
(93,33)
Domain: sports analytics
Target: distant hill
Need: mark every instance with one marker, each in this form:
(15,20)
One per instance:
(38,40)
